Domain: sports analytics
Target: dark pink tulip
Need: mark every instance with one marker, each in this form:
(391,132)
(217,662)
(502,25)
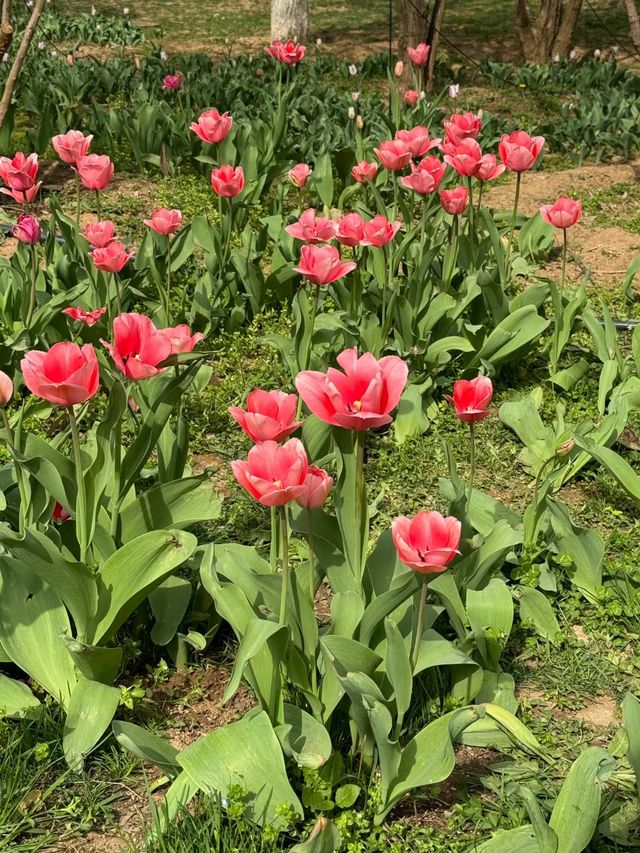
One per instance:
(269,416)
(212,126)
(165,221)
(227,181)
(27,230)
(379,231)
(59,514)
(393,154)
(317,485)
(411,97)
(173,82)
(428,542)
(465,157)
(462,126)
(95,170)
(299,175)
(64,375)
(112,258)
(273,474)
(350,229)
(563,213)
(312,230)
(89,318)
(100,234)
(417,140)
(289,52)
(425,178)
(471,398)
(488,168)
(6,389)
(322,265)
(519,151)
(454,201)
(180,338)
(137,347)
(361,397)
(71,145)
(364,171)
(20,172)
(419,54)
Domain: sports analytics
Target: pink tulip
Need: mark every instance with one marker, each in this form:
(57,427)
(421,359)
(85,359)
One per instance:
(100,234)
(71,145)
(112,258)
(563,213)
(299,175)
(419,54)
(488,168)
(273,474)
(462,126)
(364,172)
(269,416)
(428,542)
(64,375)
(394,154)
(212,126)
(23,197)
(317,485)
(227,181)
(471,398)
(27,230)
(454,201)
(417,140)
(19,173)
(165,221)
(312,230)
(350,229)
(411,97)
(289,53)
(6,389)
(180,338)
(59,514)
(379,231)
(465,157)
(137,347)
(322,265)
(173,82)
(95,170)
(89,318)
(519,151)
(425,178)
(361,397)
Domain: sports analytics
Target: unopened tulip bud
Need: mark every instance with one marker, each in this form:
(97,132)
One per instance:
(399,69)
(596,53)
(353,70)
(454,90)
(573,55)
(566,447)
(355,96)
(351,113)
(318,42)
(6,389)
(359,122)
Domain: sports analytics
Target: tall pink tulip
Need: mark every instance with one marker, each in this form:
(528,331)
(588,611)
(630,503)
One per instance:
(417,140)
(227,181)
(379,231)
(212,126)
(137,348)
(311,229)
(71,145)
(112,258)
(89,318)
(419,54)
(100,234)
(273,474)
(454,201)
(425,178)
(20,172)
(322,265)
(269,415)
(65,375)
(95,170)
(519,151)
(6,389)
(471,398)
(462,126)
(428,542)
(27,230)
(299,175)
(563,213)
(488,168)
(317,485)
(289,52)
(350,229)
(165,221)
(180,338)
(411,97)
(394,154)
(465,157)
(364,171)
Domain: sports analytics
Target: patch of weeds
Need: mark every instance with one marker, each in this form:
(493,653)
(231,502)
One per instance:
(618,204)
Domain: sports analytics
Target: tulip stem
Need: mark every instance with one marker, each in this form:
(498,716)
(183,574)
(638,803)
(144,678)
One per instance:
(34,284)
(312,558)
(312,322)
(98,208)
(422,605)
(24,503)
(285,565)
(117,463)
(564,267)
(360,502)
(168,291)
(116,282)
(81,499)
(470,210)
(273,546)
(77,200)
(472,458)
(479,207)
(515,216)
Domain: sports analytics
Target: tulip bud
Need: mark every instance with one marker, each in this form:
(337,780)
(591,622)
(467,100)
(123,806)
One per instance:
(6,389)
(353,70)
(399,69)
(164,55)
(454,90)
(69,59)
(359,122)
(137,63)
(351,113)
(318,42)
(573,55)
(596,53)
(355,96)
(566,447)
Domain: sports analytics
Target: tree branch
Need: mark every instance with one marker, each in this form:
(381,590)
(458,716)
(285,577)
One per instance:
(18,62)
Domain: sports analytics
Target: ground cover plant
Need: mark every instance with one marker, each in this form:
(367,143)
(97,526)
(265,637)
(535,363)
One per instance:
(319,487)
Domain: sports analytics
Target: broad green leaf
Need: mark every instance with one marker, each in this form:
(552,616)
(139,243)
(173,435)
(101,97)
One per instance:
(535,607)
(256,636)
(490,612)
(498,688)
(303,738)
(585,547)
(350,656)
(16,698)
(91,709)
(182,790)
(615,465)
(375,614)
(466,673)
(631,717)
(516,730)
(146,745)
(96,663)
(324,838)
(169,602)
(520,840)
(410,419)
(175,505)
(398,668)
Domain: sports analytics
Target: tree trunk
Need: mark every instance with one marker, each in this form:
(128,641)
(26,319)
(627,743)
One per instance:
(18,62)
(634,22)
(550,36)
(413,24)
(289,19)
(562,44)
(434,38)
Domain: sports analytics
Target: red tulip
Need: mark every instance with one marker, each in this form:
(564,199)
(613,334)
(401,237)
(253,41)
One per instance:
(137,347)
(27,229)
(289,53)
(364,172)
(273,474)
(312,230)
(59,514)
(173,82)
(361,397)
(350,229)
(112,258)
(563,213)
(471,398)
(71,145)
(100,234)
(6,389)
(394,154)
(454,201)
(322,265)
(411,97)
(317,485)
(519,151)
(417,140)
(462,126)
(180,338)
(269,416)
(22,197)
(379,231)
(165,221)
(89,318)
(488,168)
(299,175)
(428,542)
(419,54)
(465,157)
(95,170)
(212,126)
(19,173)
(425,178)
(64,375)
(227,181)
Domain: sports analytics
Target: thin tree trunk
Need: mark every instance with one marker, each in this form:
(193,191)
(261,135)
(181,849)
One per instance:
(289,19)
(634,22)
(413,26)
(6,30)
(18,62)
(434,38)
(562,44)
(550,36)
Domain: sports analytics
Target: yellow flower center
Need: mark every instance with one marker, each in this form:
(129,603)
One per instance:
(277,484)
(357,405)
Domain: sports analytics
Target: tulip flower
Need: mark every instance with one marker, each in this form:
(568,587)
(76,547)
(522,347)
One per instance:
(312,230)
(364,171)
(299,175)
(379,231)
(425,178)
(19,173)
(563,213)
(465,157)
(6,389)
(349,230)
(95,170)
(394,154)
(428,542)
(398,71)
(64,375)
(273,474)
(470,400)
(100,234)
(180,338)
(71,145)
(89,318)
(27,230)
(227,181)
(112,258)
(454,90)
(417,140)
(137,347)
(462,126)
(269,415)
(519,151)
(411,97)
(59,514)
(454,201)
(22,197)
(488,168)
(317,485)
(212,126)
(288,53)
(321,265)
(419,54)
(165,221)
(173,82)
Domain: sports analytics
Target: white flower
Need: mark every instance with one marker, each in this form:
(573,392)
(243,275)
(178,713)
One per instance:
(126,10)
(615,50)
(596,53)
(454,90)
(164,55)
(40,45)
(423,95)
(353,70)
(351,113)
(573,55)
(29,4)
(359,123)
(318,42)
(355,96)
(556,57)
(5,57)
(94,11)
